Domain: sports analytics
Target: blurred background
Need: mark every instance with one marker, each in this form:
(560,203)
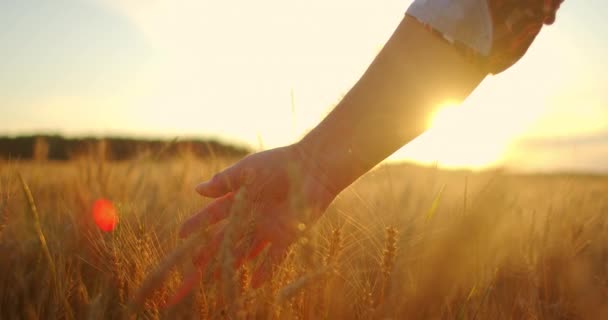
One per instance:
(261,74)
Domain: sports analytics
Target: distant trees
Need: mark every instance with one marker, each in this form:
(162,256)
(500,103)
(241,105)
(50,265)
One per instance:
(42,148)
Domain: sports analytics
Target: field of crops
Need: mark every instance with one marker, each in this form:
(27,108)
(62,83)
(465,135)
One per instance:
(403,242)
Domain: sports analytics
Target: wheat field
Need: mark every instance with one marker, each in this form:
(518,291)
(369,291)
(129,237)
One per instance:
(403,242)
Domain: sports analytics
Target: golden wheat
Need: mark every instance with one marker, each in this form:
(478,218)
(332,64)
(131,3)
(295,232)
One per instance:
(516,247)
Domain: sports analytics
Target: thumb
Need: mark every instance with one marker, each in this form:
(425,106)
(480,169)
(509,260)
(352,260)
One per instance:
(224,182)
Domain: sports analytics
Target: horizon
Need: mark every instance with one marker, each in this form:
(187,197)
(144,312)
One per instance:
(510,169)
(169,69)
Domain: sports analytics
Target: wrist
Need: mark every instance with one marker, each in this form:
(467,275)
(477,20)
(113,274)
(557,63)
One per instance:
(334,155)
(318,182)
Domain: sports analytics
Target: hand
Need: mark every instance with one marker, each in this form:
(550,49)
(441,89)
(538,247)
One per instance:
(282,194)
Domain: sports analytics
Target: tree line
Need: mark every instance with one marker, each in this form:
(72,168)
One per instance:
(55,147)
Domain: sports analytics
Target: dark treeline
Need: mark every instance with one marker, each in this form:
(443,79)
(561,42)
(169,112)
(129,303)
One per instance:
(60,148)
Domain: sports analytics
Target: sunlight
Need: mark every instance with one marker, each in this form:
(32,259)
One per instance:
(269,71)
(462,137)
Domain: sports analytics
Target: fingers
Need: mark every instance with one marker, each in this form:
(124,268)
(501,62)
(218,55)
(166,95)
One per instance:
(187,285)
(217,210)
(205,255)
(247,252)
(276,255)
(263,273)
(223,182)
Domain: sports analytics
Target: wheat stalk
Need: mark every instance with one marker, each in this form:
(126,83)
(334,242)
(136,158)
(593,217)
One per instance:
(43,244)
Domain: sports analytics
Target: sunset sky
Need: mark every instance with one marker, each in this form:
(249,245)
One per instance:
(269,70)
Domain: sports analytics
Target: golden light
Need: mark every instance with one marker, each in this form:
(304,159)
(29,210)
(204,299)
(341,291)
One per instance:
(462,137)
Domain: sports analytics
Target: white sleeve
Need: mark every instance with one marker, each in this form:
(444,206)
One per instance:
(466,21)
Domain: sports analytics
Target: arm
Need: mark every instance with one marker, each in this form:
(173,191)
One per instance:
(414,73)
(290,186)
(390,105)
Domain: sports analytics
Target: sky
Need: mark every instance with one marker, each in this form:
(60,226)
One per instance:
(263,73)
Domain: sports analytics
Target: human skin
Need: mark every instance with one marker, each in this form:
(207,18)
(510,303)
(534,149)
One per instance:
(289,188)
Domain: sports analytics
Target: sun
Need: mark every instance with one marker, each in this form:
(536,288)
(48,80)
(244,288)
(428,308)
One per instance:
(460,137)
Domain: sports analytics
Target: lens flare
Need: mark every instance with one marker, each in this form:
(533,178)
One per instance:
(104,215)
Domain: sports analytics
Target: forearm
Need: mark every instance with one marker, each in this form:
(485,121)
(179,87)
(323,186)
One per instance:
(390,105)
